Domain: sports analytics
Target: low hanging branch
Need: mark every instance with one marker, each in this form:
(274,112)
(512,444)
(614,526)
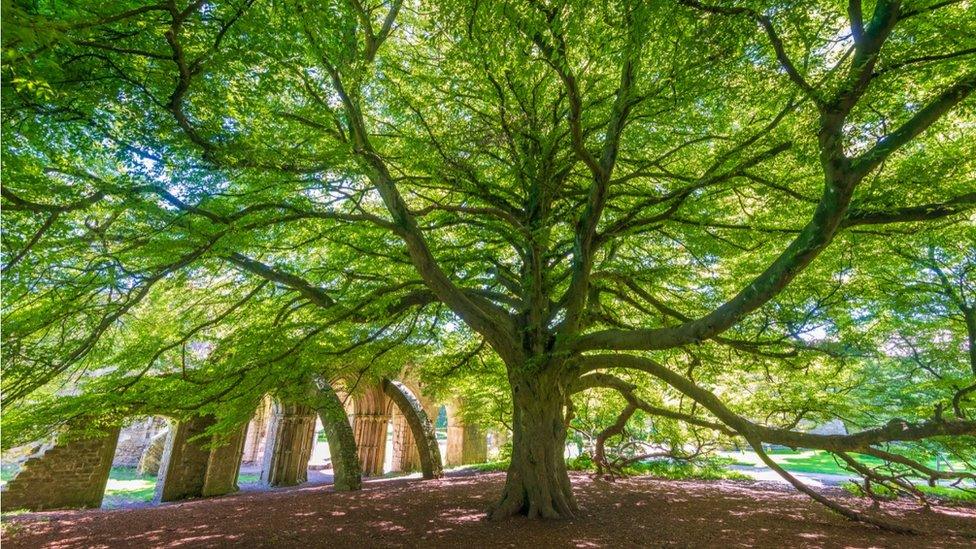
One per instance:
(756,434)
(826,502)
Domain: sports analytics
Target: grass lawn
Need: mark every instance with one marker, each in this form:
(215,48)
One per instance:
(126,487)
(818,462)
(815,461)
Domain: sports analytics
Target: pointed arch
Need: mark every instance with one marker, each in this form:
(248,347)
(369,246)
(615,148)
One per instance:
(421,426)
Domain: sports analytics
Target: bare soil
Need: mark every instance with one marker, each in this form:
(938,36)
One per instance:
(636,512)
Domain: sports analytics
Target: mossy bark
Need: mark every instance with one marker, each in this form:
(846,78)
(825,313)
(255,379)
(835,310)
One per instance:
(537,484)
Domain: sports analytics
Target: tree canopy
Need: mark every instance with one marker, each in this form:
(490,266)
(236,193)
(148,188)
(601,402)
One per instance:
(736,216)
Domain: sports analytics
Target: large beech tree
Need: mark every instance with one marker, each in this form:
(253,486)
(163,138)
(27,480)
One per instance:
(586,189)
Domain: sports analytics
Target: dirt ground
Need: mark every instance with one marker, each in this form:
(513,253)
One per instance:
(636,512)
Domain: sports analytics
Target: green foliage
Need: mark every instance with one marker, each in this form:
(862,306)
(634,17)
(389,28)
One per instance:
(205,206)
(582,462)
(490,466)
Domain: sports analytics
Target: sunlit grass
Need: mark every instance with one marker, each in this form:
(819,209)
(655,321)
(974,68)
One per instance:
(125,487)
(819,462)
(949,493)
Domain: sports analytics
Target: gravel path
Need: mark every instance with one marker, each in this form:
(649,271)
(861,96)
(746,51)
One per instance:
(814,480)
(636,512)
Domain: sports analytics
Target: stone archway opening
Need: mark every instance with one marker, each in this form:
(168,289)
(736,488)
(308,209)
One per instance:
(394,431)
(320,464)
(135,465)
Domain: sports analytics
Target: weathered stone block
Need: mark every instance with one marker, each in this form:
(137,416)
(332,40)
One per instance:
(289,446)
(71,474)
(183,468)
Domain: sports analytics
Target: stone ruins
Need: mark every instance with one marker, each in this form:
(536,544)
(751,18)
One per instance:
(72,469)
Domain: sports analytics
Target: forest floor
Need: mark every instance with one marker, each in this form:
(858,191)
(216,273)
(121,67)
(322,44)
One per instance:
(638,511)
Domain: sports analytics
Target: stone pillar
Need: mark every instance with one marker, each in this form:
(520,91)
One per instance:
(257,433)
(466,442)
(224,465)
(346,472)
(370,421)
(183,469)
(406,458)
(152,456)
(69,475)
(291,437)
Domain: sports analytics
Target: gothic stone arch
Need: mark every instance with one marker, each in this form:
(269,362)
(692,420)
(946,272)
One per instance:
(420,425)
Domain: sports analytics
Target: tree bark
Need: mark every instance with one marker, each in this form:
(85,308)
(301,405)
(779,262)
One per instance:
(537,484)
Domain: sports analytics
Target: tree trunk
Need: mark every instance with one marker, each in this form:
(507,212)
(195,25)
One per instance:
(537,484)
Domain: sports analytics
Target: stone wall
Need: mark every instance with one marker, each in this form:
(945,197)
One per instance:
(291,436)
(134,438)
(71,474)
(370,421)
(466,442)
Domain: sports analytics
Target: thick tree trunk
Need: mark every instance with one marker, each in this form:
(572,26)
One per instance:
(537,483)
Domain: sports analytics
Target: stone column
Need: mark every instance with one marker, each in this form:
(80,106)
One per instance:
(421,427)
(257,433)
(291,436)
(466,442)
(406,458)
(71,474)
(224,465)
(370,421)
(183,469)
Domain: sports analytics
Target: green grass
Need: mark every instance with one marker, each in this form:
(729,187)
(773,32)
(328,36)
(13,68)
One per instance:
(714,469)
(126,486)
(248,478)
(820,462)
(7,473)
(824,463)
(948,493)
(709,470)
(490,466)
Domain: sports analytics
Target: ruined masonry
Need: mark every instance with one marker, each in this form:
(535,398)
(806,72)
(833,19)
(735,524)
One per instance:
(291,436)
(195,464)
(73,471)
(70,474)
